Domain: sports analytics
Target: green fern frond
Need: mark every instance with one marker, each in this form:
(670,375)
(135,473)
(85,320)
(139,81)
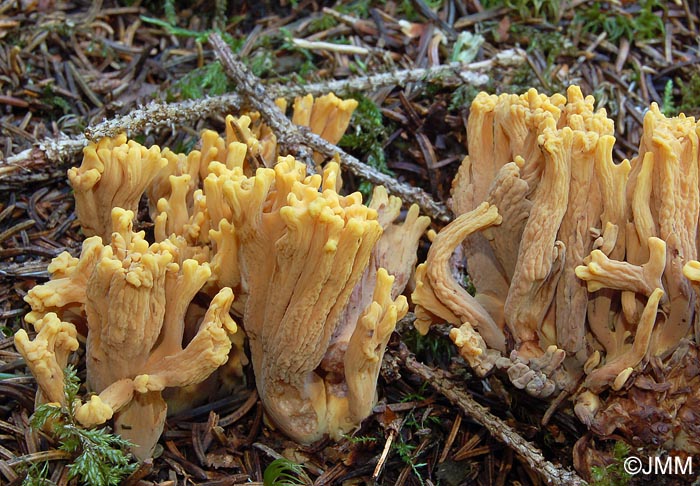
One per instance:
(668,106)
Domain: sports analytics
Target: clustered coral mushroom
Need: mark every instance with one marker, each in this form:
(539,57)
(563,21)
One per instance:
(133,297)
(316,348)
(585,270)
(317,278)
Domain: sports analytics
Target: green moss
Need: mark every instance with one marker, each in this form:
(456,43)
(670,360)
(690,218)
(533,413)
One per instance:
(321,23)
(366,136)
(431,348)
(690,95)
(261,62)
(359,9)
(55,101)
(463,96)
(549,10)
(407,11)
(206,80)
(613,474)
(606,17)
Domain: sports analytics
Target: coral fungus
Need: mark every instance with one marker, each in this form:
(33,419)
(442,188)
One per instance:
(585,269)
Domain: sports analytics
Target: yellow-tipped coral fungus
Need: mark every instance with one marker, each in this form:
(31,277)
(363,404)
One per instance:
(585,272)
(300,345)
(317,277)
(134,297)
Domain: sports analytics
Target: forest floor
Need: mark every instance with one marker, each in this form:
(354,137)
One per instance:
(66,66)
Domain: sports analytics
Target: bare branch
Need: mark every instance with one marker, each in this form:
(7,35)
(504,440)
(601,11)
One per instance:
(39,163)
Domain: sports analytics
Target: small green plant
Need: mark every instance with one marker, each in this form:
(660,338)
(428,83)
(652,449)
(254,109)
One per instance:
(38,475)
(304,67)
(261,62)
(418,396)
(319,24)
(284,472)
(668,106)
(613,474)
(468,285)
(202,36)
(466,47)
(169,11)
(431,348)
(57,103)
(209,79)
(100,457)
(406,452)
(359,9)
(173,29)
(425,421)
(463,96)
(406,9)
(549,10)
(360,439)
(358,67)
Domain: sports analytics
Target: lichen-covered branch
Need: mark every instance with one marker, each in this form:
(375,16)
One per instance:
(474,74)
(156,114)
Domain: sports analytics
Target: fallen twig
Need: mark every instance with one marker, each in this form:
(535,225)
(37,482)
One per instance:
(473,74)
(50,152)
(552,473)
(299,141)
(48,149)
(329,46)
(155,115)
